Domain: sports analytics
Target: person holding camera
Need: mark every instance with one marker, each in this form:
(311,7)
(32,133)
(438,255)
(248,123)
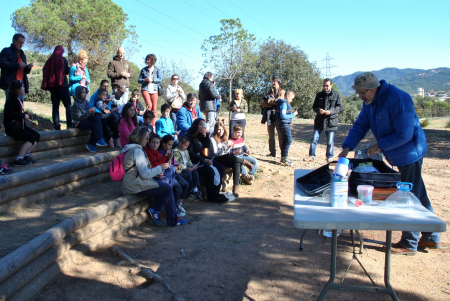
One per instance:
(269,105)
(327,106)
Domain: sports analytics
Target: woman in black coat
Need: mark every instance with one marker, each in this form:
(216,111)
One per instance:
(14,120)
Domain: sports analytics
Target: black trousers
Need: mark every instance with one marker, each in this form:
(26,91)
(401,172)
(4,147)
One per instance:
(26,134)
(57,96)
(110,125)
(231,161)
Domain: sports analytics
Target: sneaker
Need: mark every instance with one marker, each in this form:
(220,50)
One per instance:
(22,162)
(181,208)
(4,170)
(181,222)
(329,160)
(111,143)
(118,145)
(197,195)
(180,214)
(155,216)
(101,143)
(29,159)
(91,148)
(286,161)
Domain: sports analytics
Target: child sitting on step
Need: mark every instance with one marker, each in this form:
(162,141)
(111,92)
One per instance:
(108,116)
(148,121)
(186,169)
(240,150)
(137,105)
(166,146)
(156,159)
(128,122)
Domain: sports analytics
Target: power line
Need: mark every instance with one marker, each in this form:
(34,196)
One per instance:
(170,50)
(172,18)
(199,10)
(162,24)
(218,10)
(252,18)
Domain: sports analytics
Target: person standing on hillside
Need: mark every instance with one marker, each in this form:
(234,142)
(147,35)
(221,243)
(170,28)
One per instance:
(13,63)
(389,113)
(327,106)
(119,71)
(269,105)
(208,95)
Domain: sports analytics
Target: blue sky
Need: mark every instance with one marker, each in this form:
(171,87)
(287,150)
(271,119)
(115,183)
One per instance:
(359,35)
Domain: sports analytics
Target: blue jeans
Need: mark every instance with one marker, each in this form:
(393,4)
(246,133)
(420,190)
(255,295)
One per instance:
(412,173)
(330,143)
(22,97)
(163,199)
(251,160)
(284,131)
(94,124)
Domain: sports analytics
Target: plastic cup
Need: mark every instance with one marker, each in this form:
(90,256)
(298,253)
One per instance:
(365,193)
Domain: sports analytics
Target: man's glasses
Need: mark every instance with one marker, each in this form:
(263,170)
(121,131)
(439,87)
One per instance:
(175,78)
(362,94)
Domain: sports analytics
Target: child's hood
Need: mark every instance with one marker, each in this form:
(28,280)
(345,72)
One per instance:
(78,90)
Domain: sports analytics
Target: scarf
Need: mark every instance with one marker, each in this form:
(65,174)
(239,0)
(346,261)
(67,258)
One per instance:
(193,111)
(54,70)
(81,71)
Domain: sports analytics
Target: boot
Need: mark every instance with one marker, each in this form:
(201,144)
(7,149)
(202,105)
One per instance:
(248,165)
(247,179)
(236,190)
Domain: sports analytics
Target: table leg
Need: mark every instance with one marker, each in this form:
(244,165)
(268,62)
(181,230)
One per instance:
(387,266)
(332,267)
(361,242)
(301,239)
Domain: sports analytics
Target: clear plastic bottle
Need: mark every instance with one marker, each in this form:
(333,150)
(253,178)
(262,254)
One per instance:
(403,197)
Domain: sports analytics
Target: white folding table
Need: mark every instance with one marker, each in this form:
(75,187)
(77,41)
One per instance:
(314,213)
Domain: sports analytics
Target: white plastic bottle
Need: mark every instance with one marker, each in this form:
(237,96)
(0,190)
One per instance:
(341,167)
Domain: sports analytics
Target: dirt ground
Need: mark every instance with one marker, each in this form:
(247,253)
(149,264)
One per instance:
(246,249)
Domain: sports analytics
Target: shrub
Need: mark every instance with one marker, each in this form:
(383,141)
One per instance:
(36,94)
(448,124)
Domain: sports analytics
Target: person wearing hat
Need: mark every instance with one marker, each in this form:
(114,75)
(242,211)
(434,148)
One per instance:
(327,106)
(389,113)
(269,105)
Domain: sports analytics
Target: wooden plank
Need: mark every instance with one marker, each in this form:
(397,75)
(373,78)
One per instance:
(50,153)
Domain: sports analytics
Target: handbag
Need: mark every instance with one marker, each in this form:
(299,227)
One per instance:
(176,103)
(160,89)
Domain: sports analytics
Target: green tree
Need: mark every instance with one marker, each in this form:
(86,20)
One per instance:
(278,58)
(169,68)
(228,52)
(95,26)
(351,107)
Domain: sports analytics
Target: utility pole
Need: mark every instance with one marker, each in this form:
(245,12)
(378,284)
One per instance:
(328,66)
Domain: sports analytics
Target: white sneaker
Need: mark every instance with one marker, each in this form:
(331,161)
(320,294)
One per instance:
(181,208)
(180,214)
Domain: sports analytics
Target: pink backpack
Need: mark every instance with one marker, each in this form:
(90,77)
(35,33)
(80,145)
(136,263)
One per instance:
(116,170)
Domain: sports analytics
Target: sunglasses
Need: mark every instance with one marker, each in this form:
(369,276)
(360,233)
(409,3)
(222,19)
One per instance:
(175,78)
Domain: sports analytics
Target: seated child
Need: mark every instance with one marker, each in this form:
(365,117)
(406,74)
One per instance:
(284,119)
(148,121)
(166,146)
(109,118)
(186,169)
(156,159)
(128,122)
(85,119)
(104,85)
(240,150)
(164,125)
(137,105)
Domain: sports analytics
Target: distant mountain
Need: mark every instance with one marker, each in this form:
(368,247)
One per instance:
(431,80)
(390,75)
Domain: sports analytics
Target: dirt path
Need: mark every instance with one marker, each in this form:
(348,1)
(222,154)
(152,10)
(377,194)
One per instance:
(244,250)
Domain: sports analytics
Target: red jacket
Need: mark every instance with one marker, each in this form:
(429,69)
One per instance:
(155,157)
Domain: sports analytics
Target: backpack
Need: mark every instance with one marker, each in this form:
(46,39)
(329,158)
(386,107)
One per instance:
(116,167)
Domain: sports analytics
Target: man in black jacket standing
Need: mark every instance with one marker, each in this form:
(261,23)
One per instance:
(208,96)
(327,105)
(13,63)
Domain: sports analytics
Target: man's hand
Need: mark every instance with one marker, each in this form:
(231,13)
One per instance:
(30,65)
(321,111)
(373,149)
(22,65)
(123,73)
(344,153)
(207,161)
(327,112)
(141,113)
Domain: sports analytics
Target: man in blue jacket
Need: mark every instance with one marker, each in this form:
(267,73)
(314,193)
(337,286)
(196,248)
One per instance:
(187,114)
(389,113)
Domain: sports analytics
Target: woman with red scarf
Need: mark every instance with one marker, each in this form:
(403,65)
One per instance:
(55,80)
(79,74)
(187,114)
(14,121)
